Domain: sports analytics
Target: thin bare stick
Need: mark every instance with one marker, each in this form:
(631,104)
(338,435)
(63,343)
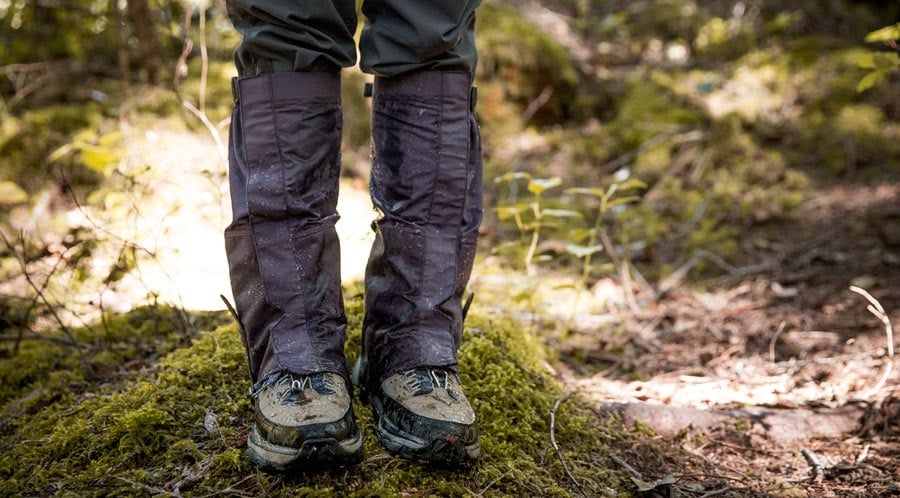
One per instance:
(634,473)
(185,50)
(818,470)
(23,264)
(878,310)
(863,455)
(204,59)
(537,103)
(774,340)
(677,276)
(622,267)
(556,446)
(213,131)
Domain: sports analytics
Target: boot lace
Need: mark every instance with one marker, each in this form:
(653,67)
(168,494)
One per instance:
(290,386)
(422,381)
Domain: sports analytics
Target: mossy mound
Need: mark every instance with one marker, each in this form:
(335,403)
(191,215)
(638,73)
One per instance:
(181,427)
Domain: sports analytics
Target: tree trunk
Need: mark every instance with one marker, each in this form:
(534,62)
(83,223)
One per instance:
(141,19)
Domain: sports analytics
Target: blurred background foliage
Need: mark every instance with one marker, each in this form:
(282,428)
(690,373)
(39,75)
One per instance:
(727,112)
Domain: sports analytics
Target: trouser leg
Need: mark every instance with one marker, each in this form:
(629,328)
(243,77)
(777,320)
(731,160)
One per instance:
(292,35)
(282,246)
(284,163)
(426,182)
(401,36)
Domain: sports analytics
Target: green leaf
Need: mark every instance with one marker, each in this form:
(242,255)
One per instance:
(583,251)
(632,183)
(886,61)
(11,194)
(110,139)
(561,213)
(61,152)
(622,200)
(512,175)
(579,234)
(538,185)
(605,268)
(522,296)
(885,34)
(869,81)
(98,158)
(507,212)
(866,60)
(596,192)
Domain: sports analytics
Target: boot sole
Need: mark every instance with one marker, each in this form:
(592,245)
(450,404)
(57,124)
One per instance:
(314,453)
(409,447)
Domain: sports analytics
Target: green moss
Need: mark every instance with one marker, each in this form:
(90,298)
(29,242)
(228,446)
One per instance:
(524,61)
(648,109)
(148,433)
(27,140)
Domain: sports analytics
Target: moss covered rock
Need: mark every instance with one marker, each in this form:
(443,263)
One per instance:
(181,427)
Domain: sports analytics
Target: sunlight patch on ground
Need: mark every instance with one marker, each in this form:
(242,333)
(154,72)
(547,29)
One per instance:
(180,216)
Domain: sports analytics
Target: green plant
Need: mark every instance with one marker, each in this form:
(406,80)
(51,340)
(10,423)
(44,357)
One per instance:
(539,213)
(534,220)
(608,199)
(881,64)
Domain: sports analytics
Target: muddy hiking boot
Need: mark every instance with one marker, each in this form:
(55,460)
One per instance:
(426,184)
(303,421)
(284,262)
(423,414)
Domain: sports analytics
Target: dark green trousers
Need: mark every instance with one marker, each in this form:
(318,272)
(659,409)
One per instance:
(399,36)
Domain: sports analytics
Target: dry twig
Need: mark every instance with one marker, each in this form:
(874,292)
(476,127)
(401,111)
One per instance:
(537,103)
(818,470)
(631,470)
(876,309)
(556,446)
(22,260)
(774,340)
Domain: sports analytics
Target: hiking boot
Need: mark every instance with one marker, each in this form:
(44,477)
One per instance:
(303,421)
(423,414)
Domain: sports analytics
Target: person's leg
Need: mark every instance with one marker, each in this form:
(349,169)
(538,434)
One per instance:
(283,252)
(426,183)
(287,35)
(404,36)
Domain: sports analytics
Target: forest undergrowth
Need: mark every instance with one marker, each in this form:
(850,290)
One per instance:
(679,197)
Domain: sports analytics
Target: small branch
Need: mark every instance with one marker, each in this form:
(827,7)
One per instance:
(774,340)
(204,59)
(185,51)
(537,103)
(677,276)
(624,159)
(622,463)
(818,470)
(34,66)
(213,131)
(556,446)
(876,309)
(50,307)
(622,267)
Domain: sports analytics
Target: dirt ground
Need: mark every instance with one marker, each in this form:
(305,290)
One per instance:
(772,380)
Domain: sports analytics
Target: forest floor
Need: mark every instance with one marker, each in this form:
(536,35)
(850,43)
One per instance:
(770,379)
(767,381)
